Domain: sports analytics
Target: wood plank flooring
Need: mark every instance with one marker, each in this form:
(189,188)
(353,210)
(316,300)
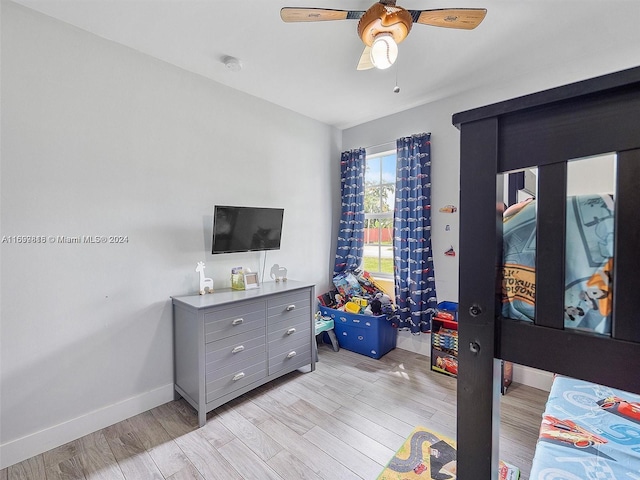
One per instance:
(343,421)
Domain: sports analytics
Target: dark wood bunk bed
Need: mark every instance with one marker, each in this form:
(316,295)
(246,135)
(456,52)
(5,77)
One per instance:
(543,130)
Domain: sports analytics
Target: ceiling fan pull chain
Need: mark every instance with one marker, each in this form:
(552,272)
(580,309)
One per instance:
(396,89)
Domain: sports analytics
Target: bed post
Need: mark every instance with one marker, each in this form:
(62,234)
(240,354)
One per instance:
(625,295)
(479,378)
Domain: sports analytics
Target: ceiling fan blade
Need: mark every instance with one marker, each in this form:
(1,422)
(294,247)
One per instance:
(294,14)
(463,18)
(365,59)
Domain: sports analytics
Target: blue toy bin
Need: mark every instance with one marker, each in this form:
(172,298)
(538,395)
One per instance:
(449,307)
(373,336)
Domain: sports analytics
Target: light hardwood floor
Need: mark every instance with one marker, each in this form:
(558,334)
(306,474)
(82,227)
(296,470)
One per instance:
(343,421)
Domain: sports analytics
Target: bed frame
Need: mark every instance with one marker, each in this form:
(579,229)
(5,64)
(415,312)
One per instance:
(543,130)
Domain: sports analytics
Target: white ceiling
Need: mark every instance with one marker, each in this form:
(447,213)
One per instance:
(310,68)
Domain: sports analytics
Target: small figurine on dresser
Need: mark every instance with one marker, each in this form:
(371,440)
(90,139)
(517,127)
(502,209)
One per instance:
(205,283)
(278,273)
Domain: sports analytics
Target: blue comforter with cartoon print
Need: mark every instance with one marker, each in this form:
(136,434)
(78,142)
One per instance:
(589,260)
(588,431)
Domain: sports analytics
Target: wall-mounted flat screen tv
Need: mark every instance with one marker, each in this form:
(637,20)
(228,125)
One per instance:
(246,229)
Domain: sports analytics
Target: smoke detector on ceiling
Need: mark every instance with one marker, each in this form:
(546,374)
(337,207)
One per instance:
(232,64)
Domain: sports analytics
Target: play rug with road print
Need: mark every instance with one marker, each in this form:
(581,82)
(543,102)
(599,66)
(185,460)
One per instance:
(427,455)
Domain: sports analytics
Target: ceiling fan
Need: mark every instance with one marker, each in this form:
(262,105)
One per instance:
(384,25)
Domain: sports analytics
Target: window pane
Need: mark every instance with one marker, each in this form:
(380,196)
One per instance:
(380,177)
(372,172)
(387,197)
(389,169)
(386,258)
(372,200)
(378,256)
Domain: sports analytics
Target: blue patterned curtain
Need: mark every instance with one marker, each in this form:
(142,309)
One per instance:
(351,231)
(413,259)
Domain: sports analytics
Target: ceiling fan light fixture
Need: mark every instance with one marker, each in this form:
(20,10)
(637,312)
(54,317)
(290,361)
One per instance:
(384,51)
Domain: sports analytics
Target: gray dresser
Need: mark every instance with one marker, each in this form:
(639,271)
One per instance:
(233,341)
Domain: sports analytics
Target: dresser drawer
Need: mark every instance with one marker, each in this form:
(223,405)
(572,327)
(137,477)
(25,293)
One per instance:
(233,349)
(281,307)
(289,355)
(226,379)
(299,327)
(224,322)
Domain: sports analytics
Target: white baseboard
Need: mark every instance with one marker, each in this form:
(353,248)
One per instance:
(420,344)
(36,443)
(532,377)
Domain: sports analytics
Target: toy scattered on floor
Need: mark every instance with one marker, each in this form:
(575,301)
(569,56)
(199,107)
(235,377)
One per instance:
(205,283)
(278,273)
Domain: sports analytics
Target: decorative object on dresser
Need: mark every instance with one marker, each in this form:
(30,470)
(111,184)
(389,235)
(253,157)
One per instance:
(206,284)
(278,273)
(251,280)
(233,341)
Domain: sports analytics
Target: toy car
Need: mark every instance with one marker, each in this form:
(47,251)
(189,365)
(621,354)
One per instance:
(448,209)
(568,432)
(618,406)
(447,364)
(420,468)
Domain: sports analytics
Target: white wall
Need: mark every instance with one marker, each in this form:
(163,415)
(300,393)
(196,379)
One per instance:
(98,139)
(592,175)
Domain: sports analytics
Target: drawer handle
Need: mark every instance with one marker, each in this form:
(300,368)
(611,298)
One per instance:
(237,321)
(238,376)
(291,354)
(291,331)
(355,320)
(239,348)
(290,307)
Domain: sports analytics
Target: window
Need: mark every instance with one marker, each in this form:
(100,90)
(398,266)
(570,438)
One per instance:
(379,202)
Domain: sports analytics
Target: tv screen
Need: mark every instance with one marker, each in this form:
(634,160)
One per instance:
(246,229)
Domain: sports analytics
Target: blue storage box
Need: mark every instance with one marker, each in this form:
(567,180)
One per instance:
(449,307)
(373,336)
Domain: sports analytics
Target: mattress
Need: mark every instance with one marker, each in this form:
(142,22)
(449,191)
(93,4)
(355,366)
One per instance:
(589,262)
(588,432)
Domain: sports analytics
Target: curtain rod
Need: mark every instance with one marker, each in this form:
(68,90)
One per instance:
(390,143)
